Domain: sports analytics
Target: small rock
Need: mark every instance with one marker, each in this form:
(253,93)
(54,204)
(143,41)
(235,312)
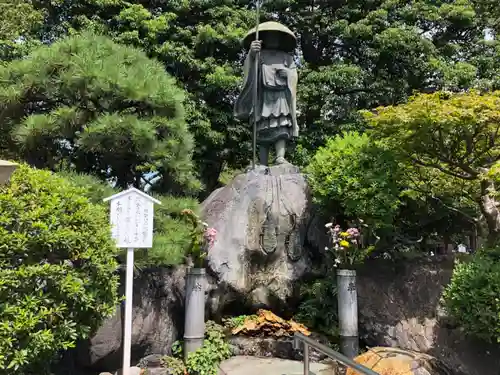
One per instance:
(152,360)
(133,371)
(157,371)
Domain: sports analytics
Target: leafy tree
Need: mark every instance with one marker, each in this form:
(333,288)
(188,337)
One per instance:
(355,177)
(57,269)
(363,54)
(490,12)
(436,208)
(19,21)
(445,197)
(453,135)
(97,107)
(198,42)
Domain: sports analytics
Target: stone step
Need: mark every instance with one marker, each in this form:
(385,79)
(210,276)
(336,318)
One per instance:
(245,365)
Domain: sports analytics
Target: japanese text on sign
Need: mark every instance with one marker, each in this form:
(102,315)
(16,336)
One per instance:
(132,220)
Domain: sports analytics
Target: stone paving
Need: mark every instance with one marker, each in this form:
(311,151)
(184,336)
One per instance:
(243,365)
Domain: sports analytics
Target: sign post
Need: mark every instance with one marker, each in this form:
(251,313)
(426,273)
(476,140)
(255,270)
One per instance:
(131,216)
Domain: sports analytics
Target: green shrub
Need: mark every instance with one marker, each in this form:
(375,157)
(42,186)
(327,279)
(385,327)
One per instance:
(174,366)
(57,269)
(95,189)
(473,296)
(172,235)
(206,360)
(354,176)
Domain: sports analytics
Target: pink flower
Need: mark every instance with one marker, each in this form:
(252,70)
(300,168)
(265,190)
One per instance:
(353,232)
(337,228)
(209,236)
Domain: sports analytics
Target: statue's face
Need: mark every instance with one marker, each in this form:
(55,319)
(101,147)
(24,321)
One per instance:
(271,41)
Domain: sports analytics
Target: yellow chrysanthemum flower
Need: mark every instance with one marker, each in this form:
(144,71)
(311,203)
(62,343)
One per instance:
(344,234)
(344,243)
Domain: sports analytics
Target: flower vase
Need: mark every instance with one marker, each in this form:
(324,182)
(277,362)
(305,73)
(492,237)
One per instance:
(194,324)
(347,298)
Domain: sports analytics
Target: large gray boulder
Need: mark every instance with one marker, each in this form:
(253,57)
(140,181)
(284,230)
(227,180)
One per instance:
(263,219)
(158,316)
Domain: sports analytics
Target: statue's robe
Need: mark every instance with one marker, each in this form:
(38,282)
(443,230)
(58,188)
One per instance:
(277,96)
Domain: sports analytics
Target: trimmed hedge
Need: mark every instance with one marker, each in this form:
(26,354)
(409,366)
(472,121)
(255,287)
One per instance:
(57,269)
(473,296)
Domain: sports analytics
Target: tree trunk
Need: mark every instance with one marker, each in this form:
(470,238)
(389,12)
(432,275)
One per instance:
(489,208)
(446,240)
(473,240)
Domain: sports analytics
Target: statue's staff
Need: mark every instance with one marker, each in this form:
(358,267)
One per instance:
(255,86)
(271,96)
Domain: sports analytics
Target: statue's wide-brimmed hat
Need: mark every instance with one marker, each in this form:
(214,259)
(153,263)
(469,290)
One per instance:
(288,41)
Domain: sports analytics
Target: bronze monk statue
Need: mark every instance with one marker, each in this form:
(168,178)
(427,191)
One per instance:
(277,89)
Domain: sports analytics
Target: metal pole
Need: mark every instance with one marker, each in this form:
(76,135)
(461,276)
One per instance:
(127,332)
(255,86)
(306,358)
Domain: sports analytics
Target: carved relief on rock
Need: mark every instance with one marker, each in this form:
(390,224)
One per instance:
(262,218)
(275,224)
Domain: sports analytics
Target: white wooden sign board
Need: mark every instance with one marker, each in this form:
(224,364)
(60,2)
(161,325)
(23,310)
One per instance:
(131,216)
(131,219)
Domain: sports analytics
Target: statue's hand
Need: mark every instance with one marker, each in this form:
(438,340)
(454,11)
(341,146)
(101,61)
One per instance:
(255,47)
